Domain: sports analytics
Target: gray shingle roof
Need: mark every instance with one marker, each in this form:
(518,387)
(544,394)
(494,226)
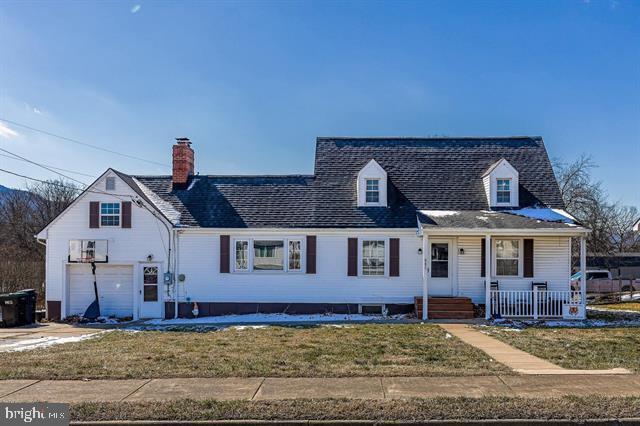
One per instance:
(484,219)
(423,173)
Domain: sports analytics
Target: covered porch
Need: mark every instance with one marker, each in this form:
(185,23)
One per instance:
(516,266)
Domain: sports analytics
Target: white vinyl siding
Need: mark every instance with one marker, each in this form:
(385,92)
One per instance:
(328,285)
(126,246)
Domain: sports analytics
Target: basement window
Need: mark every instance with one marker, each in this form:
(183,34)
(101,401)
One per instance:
(372,309)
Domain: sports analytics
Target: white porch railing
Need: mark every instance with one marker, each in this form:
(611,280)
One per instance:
(531,303)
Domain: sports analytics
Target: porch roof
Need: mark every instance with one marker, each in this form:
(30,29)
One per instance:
(542,219)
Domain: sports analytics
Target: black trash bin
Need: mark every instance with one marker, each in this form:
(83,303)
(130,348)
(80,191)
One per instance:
(12,309)
(18,308)
(30,305)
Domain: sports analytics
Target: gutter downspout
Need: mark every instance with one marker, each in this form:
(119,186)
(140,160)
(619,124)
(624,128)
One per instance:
(175,277)
(425,276)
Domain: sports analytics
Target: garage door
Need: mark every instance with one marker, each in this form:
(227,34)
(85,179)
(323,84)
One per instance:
(115,289)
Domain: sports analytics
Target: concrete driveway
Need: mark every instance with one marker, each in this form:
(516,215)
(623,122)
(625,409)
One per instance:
(45,334)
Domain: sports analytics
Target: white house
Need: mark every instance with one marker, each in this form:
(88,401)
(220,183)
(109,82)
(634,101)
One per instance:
(382,223)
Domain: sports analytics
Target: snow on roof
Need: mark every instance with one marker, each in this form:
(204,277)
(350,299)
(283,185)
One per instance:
(439,213)
(167,209)
(546,214)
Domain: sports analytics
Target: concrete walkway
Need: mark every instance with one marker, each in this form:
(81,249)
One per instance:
(376,388)
(519,361)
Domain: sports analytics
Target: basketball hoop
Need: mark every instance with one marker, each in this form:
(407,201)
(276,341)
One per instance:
(88,251)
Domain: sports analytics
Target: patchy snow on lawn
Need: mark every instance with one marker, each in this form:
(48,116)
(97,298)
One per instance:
(519,325)
(546,214)
(439,213)
(45,342)
(271,319)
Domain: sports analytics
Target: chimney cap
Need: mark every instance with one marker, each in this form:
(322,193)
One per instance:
(183,141)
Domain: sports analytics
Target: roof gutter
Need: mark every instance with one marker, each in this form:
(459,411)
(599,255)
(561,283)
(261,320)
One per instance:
(505,231)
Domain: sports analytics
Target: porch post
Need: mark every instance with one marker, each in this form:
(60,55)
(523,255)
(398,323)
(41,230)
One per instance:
(425,276)
(583,271)
(487,276)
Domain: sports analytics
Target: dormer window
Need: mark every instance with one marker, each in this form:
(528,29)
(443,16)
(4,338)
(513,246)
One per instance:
(503,193)
(372,193)
(371,185)
(501,184)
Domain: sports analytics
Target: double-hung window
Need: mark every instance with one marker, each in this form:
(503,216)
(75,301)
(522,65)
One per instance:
(372,190)
(503,193)
(109,214)
(242,255)
(295,255)
(373,257)
(508,258)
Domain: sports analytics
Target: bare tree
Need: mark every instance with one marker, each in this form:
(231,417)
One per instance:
(586,200)
(624,239)
(50,199)
(22,215)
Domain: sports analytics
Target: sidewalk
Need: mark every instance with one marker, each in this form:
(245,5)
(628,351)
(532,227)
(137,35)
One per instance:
(376,388)
(520,361)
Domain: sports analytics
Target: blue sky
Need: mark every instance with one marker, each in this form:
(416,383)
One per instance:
(253,83)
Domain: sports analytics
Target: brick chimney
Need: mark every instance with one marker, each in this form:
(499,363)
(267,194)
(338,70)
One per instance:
(182,162)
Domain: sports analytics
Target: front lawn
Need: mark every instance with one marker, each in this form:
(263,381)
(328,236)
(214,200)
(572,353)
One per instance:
(311,351)
(411,410)
(582,348)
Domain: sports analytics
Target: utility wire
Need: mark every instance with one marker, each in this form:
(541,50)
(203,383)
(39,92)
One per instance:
(82,143)
(61,185)
(44,167)
(57,168)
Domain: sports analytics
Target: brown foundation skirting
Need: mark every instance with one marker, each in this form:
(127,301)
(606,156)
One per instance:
(208,309)
(54,310)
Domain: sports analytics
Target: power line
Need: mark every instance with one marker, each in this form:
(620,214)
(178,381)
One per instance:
(44,167)
(61,185)
(82,143)
(57,168)
(58,173)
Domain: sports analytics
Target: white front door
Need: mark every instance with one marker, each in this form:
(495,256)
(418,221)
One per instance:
(440,269)
(150,291)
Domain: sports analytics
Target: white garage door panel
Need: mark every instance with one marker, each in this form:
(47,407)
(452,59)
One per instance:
(115,289)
